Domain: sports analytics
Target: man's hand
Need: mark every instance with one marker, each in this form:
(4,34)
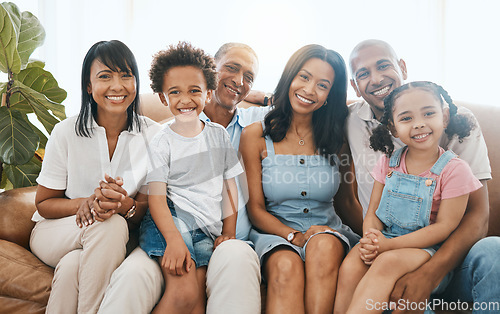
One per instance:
(412,287)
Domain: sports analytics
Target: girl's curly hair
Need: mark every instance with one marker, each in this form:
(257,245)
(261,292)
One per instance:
(381,139)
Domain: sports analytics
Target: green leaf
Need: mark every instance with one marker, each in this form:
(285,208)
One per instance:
(5,183)
(40,105)
(18,142)
(9,57)
(41,135)
(41,81)
(31,36)
(15,16)
(23,175)
(35,63)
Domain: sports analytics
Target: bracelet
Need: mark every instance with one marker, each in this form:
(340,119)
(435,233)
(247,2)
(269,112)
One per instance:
(131,212)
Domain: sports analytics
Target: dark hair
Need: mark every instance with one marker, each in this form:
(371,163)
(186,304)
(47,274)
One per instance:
(228,46)
(118,57)
(327,121)
(184,54)
(459,124)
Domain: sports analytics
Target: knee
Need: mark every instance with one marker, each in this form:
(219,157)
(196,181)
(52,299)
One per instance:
(184,297)
(231,257)
(324,254)
(68,266)
(284,270)
(483,256)
(114,229)
(384,264)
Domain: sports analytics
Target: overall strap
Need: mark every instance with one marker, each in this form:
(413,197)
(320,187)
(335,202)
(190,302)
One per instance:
(442,162)
(396,157)
(269,141)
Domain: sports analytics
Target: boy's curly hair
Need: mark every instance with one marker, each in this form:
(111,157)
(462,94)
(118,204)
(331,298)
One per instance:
(182,54)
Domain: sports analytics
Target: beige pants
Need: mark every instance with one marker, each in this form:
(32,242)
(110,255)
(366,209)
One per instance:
(84,259)
(233,282)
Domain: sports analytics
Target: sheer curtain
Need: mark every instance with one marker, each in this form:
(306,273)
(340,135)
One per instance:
(451,42)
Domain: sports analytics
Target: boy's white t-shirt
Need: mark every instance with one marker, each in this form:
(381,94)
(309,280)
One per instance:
(194,169)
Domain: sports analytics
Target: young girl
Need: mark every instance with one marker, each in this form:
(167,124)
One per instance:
(418,199)
(193,165)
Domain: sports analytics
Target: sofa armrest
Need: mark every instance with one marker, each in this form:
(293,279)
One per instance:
(16,208)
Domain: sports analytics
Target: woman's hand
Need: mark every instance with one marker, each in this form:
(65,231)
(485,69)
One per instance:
(84,215)
(109,197)
(176,256)
(222,238)
(300,239)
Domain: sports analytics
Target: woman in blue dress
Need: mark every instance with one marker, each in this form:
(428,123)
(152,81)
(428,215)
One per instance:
(294,178)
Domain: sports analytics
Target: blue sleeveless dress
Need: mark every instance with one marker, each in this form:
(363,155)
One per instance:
(299,191)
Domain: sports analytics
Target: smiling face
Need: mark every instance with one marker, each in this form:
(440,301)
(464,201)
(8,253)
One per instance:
(186,92)
(311,86)
(376,72)
(237,70)
(419,120)
(112,91)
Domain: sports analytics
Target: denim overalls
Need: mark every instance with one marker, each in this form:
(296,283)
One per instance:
(406,201)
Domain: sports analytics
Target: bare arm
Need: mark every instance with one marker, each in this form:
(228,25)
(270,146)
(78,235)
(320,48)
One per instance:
(449,215)
(252,146)
(176,257)
(371,220)
(54,204)
(347,205)
(229,206)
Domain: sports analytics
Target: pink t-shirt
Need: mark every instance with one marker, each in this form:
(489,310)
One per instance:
(455,180)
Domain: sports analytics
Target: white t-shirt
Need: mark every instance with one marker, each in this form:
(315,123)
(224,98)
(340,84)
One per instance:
(360,124)
(241,119)
(194,169)
(76,164)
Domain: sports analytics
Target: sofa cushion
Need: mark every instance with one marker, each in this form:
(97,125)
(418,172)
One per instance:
(23,275)
(18,306)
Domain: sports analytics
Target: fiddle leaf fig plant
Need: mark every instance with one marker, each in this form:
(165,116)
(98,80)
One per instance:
(29,90)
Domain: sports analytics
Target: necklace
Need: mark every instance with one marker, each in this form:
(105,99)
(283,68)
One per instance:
(301,138)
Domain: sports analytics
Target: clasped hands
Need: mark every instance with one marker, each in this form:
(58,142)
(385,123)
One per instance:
(104,203)
(371,245)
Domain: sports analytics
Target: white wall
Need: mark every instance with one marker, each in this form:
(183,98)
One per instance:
(451,42)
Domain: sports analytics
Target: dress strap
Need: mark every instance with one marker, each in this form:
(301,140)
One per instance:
(443,161)
(269,141)
(396,157)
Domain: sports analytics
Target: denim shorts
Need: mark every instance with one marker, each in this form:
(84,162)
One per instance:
(153,243)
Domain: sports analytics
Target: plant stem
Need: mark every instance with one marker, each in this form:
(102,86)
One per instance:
(9,87)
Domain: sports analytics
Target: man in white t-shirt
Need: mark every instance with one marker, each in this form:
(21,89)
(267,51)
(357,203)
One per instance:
(233,274)
(376,71)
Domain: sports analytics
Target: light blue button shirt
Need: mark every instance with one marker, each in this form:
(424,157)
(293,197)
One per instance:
(241,118)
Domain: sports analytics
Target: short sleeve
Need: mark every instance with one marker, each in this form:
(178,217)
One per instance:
(380,170)
(54,173)
(232,166)
(159,159)
(458,179)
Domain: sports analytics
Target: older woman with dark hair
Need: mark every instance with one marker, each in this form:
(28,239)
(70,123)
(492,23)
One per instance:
(292,168)
(81,220)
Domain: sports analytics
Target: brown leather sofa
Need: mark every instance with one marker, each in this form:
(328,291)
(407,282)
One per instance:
(25,281)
